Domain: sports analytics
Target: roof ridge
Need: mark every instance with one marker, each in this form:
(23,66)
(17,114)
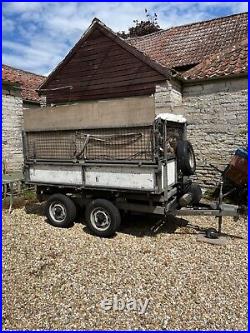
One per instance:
(210,20)
(22,70)
(186,25)
(152,33)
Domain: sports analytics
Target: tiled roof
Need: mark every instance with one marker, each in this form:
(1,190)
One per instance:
(28,81)
(232,61)
(189,44)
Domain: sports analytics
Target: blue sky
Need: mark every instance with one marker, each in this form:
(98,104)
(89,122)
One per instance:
(37,35)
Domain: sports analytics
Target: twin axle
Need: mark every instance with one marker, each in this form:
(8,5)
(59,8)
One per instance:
(106,170)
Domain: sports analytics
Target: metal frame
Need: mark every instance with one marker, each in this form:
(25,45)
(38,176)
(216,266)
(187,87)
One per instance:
(155,163)
(167,203)
(111,189)
(208,210)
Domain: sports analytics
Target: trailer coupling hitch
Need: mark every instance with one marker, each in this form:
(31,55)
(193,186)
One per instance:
(172,225)
(209,232)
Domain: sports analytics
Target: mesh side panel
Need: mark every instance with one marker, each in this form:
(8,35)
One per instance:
(120,144)
(51,145)
(95,144)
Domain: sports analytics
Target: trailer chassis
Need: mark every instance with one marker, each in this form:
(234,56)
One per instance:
(217,209)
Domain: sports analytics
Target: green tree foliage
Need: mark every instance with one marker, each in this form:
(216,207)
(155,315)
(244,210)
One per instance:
(141,28)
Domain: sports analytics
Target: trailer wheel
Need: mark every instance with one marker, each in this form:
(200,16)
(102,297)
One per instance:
(60,210)
(102,217)
(185,157)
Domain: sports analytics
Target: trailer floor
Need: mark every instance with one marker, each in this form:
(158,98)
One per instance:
(57,278)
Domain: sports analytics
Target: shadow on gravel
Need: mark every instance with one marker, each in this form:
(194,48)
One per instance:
(87,231)
(150,225)
(37,208)
(139,225)
(143,225)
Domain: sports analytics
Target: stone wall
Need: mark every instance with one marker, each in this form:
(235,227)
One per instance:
(217,115)
(12,122)
(167,96)
(43,101)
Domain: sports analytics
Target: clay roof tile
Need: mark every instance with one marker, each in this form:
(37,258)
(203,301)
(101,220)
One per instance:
(185,46)
(28,81)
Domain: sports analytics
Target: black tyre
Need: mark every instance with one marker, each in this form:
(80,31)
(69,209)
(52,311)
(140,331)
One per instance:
(185,158)
(102,218)
(196,192)
(60,210)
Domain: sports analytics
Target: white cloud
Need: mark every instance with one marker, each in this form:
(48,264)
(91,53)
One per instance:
(21,48)
(29,64)
(26,56)
(37,35)
(7,25)
(22,6)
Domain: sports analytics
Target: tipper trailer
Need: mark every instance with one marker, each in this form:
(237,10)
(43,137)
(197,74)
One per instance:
(80,155)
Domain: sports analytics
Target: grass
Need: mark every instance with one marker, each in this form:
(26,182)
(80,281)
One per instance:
(27,195)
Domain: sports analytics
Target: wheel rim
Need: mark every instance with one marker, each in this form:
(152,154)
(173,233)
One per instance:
(100,219)
(57,212)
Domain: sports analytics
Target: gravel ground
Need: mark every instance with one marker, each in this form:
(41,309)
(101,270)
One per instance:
(57,278)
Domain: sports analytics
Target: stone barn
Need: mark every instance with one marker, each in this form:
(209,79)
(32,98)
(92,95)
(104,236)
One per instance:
(198,70)
(18,93)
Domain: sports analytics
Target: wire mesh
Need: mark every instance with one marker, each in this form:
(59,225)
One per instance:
(134,143)
(51,145)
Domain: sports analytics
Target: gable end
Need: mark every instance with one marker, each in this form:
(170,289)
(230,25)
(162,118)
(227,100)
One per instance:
(102,65)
